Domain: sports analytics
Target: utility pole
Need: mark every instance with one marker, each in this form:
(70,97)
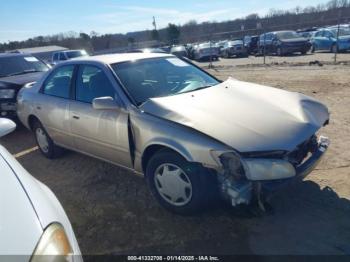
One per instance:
(336,44)
(154,23)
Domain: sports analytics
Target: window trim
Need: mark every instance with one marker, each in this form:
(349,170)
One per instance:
(42,88)
(74,87)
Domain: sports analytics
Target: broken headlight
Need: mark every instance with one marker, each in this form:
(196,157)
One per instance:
(231,163)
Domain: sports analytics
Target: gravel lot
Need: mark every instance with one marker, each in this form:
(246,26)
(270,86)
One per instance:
(112,211)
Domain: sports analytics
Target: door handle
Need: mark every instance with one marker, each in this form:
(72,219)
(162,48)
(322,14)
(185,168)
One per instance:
(38,107)
(76,117)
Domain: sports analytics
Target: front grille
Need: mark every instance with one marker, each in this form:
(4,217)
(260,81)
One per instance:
(297,156)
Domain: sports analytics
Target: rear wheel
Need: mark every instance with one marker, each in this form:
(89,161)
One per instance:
(178,185)
(44,142)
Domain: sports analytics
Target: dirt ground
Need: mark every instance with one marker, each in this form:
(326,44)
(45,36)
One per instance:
(112,210)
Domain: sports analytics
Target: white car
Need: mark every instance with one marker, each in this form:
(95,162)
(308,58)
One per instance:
(32,220)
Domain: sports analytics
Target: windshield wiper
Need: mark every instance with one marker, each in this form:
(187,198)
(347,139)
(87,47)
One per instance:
(196,89)
(25,72)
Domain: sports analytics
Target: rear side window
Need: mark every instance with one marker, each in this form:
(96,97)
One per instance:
(59,82)
(92,83)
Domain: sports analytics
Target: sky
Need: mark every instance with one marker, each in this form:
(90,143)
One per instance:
(20,20)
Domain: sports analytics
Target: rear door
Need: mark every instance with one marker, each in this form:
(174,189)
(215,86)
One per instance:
(101,133)
(52,104)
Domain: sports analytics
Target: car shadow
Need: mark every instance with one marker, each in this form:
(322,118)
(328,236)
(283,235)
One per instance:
(306,219)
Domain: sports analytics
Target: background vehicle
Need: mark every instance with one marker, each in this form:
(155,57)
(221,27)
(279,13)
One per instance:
(163,122)
(67,55)
(234,48)
(147,50)
(32,222)
(206,50)
(282,43)
(326,39)
(180,51)
(251,44)
(16,70)
(219,45)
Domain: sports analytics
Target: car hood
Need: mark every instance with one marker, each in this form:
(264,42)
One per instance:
(245,116)
(19,80)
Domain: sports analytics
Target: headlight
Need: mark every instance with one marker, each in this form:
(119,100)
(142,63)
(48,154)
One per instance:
(268,169)
(53,245)
(7,93)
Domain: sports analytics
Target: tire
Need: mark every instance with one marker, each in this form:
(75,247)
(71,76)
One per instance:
(313,49)
(44,142)
(195,184)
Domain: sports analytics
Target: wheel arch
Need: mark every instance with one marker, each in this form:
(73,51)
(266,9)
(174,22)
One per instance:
(31,120)
(153,148)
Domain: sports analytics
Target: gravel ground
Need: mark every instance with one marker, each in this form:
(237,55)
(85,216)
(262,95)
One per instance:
(112,210)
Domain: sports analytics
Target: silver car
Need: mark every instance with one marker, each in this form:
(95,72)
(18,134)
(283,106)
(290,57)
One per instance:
(191,135)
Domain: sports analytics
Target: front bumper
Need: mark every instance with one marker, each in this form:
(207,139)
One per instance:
(8,109)
(241,192)
(303,169)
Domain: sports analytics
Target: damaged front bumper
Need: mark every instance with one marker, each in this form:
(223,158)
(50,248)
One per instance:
(242,191)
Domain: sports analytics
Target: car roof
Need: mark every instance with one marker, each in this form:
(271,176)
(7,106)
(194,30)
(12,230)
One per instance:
(14,54)
(119,58)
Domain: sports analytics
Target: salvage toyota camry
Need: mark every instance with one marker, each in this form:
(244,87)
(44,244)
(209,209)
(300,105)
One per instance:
(190,134)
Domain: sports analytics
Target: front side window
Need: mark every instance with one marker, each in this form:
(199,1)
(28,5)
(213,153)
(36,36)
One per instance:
(59,82)
(92,83)
(156,77)
(62,57)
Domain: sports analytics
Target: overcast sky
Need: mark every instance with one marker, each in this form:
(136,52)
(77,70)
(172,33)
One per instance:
(20,20)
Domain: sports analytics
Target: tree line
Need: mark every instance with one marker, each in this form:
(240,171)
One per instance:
(329,13)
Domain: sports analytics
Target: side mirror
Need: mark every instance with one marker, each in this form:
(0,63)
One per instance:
(104,103)
(6,126)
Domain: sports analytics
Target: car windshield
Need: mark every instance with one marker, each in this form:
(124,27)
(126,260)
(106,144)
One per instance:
(342,31)
(157,77)
(287,35)
(74,54)
(18,65)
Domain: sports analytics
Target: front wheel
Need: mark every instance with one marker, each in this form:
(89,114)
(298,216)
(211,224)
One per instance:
(44,142)
(179,186)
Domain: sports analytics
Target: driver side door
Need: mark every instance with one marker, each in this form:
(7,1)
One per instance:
(100,133)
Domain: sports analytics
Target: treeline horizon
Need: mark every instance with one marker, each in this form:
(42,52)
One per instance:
(330,13)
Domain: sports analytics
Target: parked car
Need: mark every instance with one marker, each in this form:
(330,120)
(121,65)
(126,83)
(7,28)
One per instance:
(32,222)
(283,43)
(206,51)
(307,32)
(251,44)
(188,133)
(326,39)
(234,48)
(58,57)
(179,51)
(220,45)
(17,70)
